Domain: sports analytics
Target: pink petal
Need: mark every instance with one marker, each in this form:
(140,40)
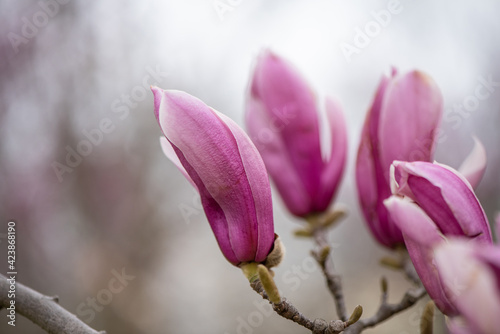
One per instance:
(210,153)
(371,132)
(157,94)
(366,182)
(445,197)
(371,181)
(410,115)
(291,106)
(274,152)
(490,256)
(413,221)
(260,188)
(421,234)
(471,284)
(168,150)
(474,165)
(457,325)
(333,168)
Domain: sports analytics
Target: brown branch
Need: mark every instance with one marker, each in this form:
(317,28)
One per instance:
(333,281)
(288,311)
(318,228)
(385,310)
(42,310)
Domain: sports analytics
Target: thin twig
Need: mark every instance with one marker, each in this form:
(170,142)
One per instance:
(385,310)
(288,311)
(333,281)
(42,310)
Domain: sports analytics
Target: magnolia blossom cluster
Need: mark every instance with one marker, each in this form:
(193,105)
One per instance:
(407,200)
(448,237)
(429,207)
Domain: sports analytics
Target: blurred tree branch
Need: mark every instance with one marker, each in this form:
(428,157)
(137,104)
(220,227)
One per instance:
(386,310)
(42,310)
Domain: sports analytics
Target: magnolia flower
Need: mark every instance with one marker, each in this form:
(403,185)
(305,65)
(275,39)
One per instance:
(470,274)
(400,125)
(430,203)
(219,159)
(283,121)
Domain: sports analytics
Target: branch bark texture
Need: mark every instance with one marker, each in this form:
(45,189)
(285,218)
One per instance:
(333,281)
(42,310)
(288,311)
(385,310)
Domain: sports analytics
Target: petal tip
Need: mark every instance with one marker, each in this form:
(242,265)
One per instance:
(474,166)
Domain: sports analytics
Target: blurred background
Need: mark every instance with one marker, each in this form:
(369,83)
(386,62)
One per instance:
(106,222)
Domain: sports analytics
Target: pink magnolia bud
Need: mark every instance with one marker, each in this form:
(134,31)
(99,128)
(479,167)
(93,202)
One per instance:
(401,125)
(226,169)
(470,274)
(432,202)
(283,121)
